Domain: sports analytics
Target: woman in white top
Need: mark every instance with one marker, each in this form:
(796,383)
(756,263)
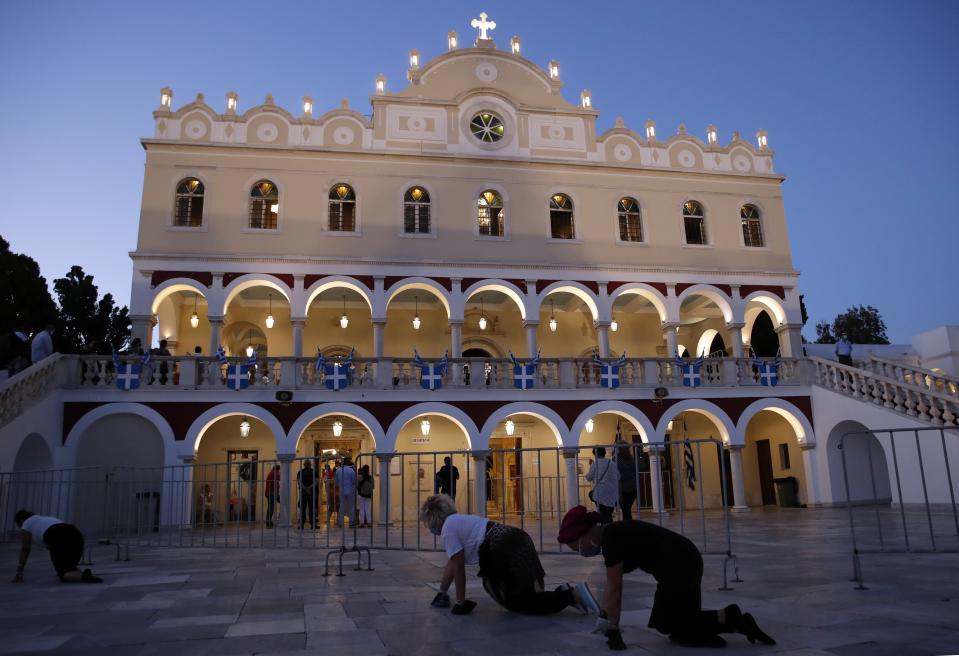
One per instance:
(64,541)
(604,475)
(509,565)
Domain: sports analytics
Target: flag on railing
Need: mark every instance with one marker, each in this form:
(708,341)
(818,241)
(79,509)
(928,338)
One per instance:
(220,354)
(768,371)
(609,372)
(128,374)
(337,375)
(320,360)
(238,376)
(431,374)
(692,371)
(524,375)
(689,461)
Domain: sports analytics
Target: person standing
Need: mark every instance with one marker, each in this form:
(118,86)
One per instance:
(64,542)
(345,479)
(364,491)
(626,467)
(272,493)
(675,563)
(164,351)
(605,479)
(306,484)
(42,344)
(446,478)
(844,350)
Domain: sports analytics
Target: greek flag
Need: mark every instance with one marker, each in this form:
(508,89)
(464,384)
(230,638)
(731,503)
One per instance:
(524,375)
(690,464)
(220,355)
(337,375)
(128,375)
(609,372)
(431,374)
(768,371)
(238,376)
(692,376)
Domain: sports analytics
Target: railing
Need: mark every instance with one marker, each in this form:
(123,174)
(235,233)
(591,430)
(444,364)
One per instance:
(930,406)
(28,387)
(187,372)
(909,375)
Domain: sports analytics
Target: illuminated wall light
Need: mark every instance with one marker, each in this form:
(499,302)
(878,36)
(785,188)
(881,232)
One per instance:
(554,69)
(711,135)
(307,106)
(269,315)
(762,139)
(232,101)
(245,428)
(194,318)
(669,427)
(590,425)
(337,428)
(510,427)
(166,97)
(586,99)
(482,319)
(614,325)
(344,320)
(250,350)
(650,129)
(452,40)
(425,427)
(416,315)
(414,59)
(552,317)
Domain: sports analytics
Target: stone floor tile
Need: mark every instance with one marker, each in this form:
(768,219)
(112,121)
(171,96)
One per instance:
(266,627)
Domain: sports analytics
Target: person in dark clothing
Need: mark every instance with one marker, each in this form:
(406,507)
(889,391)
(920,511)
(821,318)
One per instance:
(675,563)
(446,478)
(627,480)
(64,541)
(306,484)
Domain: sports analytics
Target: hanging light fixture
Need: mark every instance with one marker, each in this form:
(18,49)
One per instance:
(249,345)
(194,318)
(614,325)
(425,427)
(510,427)
(416,326)
(269,315)
(344,320)
(552,317)
(337,428)
(590,425)
(482,319)
(245,427)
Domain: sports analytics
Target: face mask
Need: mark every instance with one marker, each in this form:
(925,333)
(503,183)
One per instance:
(590,551)
(436,531)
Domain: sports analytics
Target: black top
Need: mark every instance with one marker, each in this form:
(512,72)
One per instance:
(446,479)
(649,547)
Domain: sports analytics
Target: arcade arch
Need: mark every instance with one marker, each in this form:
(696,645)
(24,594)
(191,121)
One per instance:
(325,311)
(866,464)
(638,314)
(417,317)
(259,305)
(494,317)
(573,312)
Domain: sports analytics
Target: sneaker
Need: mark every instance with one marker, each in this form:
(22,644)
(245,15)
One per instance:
(583,599)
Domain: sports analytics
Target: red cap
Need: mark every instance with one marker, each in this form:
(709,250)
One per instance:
(575,524)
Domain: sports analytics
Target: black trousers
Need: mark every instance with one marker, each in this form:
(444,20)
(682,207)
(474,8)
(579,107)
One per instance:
(531,602)
(605,514)
(626,504)
(65,543)
(307,508)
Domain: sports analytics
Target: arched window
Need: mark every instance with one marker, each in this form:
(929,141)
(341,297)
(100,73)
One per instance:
(342,209)
(189,203)
(752,226)
(489,213)
(630,226)
(694,221)
(561,217)
(264,205)
(416,211)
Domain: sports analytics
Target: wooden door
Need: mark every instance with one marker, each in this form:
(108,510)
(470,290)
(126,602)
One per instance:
(764,458)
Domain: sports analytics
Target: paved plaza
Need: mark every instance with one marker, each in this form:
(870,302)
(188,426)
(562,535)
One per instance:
(794,563)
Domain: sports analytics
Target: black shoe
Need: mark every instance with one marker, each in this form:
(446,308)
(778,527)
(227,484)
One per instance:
(708,641)
(88,577)
(748,627)
(464,607)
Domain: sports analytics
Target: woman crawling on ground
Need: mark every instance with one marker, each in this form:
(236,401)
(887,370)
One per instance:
(675,563)
(509,566)
(64,541)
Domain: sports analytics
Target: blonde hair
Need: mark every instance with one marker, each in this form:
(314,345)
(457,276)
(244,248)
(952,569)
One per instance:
(436,509)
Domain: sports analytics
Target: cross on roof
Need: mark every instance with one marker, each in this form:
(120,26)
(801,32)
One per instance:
(483,25)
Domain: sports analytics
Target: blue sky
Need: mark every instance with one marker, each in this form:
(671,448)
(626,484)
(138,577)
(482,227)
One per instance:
(859,99)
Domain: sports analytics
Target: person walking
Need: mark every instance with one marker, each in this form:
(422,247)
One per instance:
(626,468)
(306,484)
(844,350)
(63,541)
(446,478)
(508,564)
(605,479)
(675,563)
(272,493)
(345,479)
(364,491)
(42,344)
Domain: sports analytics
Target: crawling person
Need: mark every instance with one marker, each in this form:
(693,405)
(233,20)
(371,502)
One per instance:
(509,566)
(64,541)
(675,563)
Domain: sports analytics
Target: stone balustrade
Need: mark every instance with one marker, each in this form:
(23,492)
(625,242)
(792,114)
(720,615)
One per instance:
(907,398)
(29,386)
(916,376)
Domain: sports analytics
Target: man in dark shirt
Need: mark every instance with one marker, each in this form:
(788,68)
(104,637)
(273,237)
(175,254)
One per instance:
(675,563)
(446,478)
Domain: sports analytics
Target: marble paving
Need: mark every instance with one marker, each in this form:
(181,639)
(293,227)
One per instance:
(795,565)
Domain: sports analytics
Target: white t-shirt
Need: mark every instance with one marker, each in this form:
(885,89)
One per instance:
(464,533)
(604,475)
(38,525)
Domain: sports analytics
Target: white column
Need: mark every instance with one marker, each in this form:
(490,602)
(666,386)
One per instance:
(378,328)
(790,340)
(479,482)
(286,489)
(656,480)
(736,471)
(602,337)
(531,344)
(672,343)
(572,478)
(216,325)
(384,486)
(298,336)
(736,336)
(141,327)
(456,338)
(813,495)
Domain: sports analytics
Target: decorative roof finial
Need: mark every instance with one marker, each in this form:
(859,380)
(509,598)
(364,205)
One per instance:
(483,26)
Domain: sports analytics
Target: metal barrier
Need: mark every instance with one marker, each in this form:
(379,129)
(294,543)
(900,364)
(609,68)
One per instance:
(302,502)
(926,503)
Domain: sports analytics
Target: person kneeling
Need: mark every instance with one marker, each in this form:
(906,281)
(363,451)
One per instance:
(64,541)
(675,563)
(509,566)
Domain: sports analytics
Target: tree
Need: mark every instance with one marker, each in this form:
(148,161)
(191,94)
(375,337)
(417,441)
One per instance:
(860,325)
(25,302)
(824,333)
(89,325)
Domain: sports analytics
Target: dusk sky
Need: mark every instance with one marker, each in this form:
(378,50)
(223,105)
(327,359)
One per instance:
(860,99)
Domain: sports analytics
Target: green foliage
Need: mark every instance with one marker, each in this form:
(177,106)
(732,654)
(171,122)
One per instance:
(89,324)
(824,333)
(25,301)
(860,325)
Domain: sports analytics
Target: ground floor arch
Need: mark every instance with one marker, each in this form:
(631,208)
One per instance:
(702,471)
(866,465)
(774,468)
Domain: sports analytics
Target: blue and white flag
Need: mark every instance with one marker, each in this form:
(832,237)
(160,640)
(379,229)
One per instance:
(692,371)
(319,362)
(690,463)
(431,373)
(337,375)
(768,371)
(609,372)
(238,376)
(128,375)
(220,354)
(524,375)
